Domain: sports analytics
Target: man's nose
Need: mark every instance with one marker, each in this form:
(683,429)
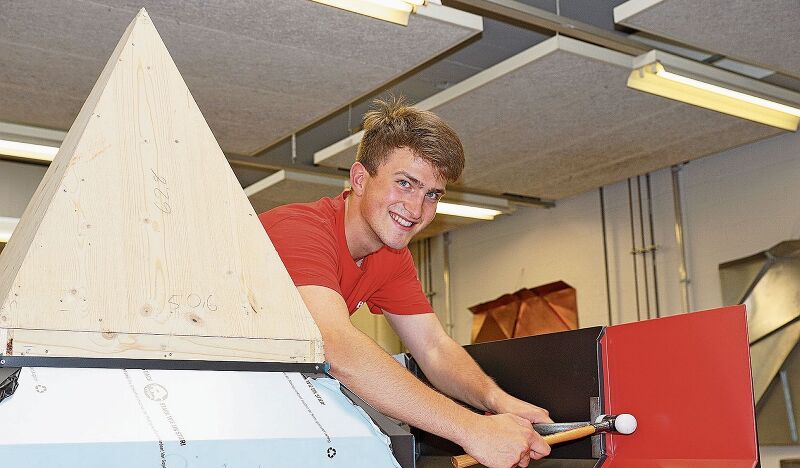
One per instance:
(413,205)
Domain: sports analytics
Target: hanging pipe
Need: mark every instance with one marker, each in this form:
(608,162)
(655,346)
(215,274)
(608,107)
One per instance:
(652,246)
(605,252)
(633,252)
(679,239)
(448,312)
(643,250)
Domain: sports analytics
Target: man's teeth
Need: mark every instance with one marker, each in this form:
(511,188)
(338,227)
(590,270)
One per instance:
(401,221)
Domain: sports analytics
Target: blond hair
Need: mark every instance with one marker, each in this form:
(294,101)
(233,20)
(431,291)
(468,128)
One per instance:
(392,124)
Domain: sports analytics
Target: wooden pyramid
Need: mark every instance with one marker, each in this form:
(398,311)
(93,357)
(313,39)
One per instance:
(140,242)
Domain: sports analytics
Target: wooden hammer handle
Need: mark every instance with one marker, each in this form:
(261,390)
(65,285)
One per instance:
(572,434)
(461,461)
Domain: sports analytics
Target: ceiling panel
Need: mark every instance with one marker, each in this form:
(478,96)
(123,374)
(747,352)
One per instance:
(284,187)
(258,70)
(558,120)
(760,33)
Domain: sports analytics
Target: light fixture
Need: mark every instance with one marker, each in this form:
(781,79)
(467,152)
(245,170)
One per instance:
(466,211)
(7,226)
(26,142)
(394,11)
(27,150)
(656,76)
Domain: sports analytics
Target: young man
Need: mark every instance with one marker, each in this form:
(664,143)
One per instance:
(352,249)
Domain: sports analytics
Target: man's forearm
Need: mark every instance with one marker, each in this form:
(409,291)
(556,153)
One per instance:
(453,371)
(448,366)
(383,383)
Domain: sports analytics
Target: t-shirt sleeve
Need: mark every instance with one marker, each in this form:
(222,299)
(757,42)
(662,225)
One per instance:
(306,246)
(402,294)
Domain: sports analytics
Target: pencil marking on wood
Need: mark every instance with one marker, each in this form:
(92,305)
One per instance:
(161,192)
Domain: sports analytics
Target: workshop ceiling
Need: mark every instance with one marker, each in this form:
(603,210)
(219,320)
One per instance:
(559,119)
(259,71)
(760,33)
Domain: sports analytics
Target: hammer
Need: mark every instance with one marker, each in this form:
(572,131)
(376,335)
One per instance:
(621,423)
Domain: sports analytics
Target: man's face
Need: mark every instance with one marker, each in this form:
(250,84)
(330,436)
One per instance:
(400,199)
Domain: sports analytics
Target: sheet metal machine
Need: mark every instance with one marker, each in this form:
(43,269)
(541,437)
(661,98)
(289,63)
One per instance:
(686,378)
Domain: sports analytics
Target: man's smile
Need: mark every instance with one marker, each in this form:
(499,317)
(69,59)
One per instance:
(403,222)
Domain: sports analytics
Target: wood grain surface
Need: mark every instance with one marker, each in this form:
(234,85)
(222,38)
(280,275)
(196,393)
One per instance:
(141,228)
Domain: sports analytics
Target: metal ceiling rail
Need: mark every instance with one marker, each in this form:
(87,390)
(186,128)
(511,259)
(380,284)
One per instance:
(511,11)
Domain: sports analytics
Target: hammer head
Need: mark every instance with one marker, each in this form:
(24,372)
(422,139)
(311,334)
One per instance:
(623,423)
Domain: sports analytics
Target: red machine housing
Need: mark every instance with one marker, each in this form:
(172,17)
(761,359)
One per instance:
(687,380)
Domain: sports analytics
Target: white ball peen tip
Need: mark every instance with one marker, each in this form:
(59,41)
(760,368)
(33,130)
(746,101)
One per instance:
(625,423)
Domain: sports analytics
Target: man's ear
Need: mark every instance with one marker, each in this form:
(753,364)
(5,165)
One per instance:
(358,178)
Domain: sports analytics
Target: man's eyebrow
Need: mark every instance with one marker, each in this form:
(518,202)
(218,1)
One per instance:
(417,182)
(413,179)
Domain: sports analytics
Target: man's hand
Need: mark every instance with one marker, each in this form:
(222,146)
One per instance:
(505,403)
(503,441)
(455,373)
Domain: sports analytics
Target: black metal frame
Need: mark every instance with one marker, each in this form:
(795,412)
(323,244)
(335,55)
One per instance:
(559,371)
(162,364)
(9,381)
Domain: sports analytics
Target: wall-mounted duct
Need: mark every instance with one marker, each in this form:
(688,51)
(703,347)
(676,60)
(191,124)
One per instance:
(768,283)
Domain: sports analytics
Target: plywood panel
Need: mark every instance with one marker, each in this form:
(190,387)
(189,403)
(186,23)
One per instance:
(145,346)
(140,226)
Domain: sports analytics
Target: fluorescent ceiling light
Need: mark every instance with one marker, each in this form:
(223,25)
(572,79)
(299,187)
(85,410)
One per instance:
(655,79)
(466,211)
(27,150)
(394,11)
(7,226)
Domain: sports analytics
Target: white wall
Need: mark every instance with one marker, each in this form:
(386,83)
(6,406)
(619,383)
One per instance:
(18,182)
(771,456)
(736,203)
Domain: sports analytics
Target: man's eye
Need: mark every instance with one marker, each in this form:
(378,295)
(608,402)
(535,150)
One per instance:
(435,196)
(404,183)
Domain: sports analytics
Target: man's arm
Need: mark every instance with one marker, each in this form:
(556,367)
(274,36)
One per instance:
(357,361)
(450,369)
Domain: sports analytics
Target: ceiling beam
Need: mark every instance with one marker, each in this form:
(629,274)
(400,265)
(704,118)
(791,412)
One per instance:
(526,16)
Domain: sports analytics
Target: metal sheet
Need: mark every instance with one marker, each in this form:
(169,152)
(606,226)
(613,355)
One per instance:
(686,378)
(774,300)
(768,283)
(96,418)
(769,355)
(773,423)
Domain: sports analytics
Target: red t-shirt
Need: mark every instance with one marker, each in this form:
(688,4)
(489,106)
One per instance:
(310,239)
